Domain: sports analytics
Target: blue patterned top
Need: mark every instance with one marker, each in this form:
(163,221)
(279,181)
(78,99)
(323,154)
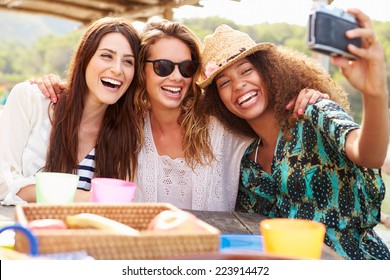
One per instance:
(312,178)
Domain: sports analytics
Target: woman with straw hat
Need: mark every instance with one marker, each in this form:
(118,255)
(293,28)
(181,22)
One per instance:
(321,166)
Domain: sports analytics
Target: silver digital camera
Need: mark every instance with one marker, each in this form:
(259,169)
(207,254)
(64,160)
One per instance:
(326,31)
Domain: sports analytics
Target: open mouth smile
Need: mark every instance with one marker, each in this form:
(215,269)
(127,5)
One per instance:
(171,90)
(247,97)
(111,83)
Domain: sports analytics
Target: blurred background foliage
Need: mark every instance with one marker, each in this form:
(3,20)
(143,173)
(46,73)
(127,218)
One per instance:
(32,46)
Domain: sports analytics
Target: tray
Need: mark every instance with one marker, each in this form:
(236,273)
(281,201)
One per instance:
(105,245)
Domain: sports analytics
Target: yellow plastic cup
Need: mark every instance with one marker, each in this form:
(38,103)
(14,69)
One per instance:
(55,188)
(293,238)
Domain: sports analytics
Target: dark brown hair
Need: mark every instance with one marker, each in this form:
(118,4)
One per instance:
(118,137)
(285,72)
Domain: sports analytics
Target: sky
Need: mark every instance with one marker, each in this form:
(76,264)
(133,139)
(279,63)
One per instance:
(247,12)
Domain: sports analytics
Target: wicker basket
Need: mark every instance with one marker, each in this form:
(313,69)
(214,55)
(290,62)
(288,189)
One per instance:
(107,245)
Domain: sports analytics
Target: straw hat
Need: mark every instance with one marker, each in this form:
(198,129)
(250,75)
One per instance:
(223,48)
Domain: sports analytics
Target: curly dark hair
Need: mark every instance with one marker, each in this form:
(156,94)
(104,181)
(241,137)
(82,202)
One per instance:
(285,72)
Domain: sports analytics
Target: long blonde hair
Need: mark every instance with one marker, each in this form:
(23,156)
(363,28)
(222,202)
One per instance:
(192,119)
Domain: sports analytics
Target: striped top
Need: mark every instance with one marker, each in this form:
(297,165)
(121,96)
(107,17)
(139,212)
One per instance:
(86,170)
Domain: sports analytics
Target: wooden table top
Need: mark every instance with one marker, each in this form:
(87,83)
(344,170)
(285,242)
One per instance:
(245,223)
(232,222)
(226,222)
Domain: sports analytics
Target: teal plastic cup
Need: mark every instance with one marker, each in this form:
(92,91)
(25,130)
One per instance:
(56,188)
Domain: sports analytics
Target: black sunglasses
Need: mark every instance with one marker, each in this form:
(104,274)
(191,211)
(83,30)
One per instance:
(165,67)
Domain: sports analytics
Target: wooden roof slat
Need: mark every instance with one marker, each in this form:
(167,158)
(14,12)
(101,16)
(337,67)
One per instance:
(86,11)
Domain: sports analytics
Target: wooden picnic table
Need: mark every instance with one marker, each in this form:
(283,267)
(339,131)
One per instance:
(226,222)
(246,223)
(232,222)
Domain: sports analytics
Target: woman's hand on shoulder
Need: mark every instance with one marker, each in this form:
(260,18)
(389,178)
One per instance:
(50,85)
(306,96)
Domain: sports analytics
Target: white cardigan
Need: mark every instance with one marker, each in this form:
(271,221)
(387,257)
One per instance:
(25,128)
(213,187)
(24,138)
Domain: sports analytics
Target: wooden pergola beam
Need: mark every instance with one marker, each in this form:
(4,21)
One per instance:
(86,11)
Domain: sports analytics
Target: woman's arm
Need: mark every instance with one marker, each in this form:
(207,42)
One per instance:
(19,150)
(367,146)
(27,193)
(83,196)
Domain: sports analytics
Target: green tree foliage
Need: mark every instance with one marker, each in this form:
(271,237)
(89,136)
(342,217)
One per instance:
(205,26)
(49,54)
(382,29)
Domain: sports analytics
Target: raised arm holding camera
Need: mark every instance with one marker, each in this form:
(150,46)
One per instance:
(368,75)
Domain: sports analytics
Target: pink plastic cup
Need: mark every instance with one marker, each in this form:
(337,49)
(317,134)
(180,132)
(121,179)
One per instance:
(108,190)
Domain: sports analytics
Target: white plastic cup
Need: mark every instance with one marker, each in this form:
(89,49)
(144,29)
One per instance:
(56,188)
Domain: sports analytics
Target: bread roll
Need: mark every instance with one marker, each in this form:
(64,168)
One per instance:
(176,220)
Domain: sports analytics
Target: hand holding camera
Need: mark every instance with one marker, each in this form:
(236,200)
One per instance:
(327,26)
(354,48)
(350,39)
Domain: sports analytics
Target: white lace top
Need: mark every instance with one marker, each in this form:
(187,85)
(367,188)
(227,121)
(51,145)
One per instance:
(213,187)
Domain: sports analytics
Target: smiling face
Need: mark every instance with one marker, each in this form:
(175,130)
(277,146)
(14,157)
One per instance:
(242,90)
(110,70)
(167,92)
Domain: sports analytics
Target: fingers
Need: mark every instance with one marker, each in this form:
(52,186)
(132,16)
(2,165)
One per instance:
(290,104)
(371,49)
(51,86)
(366,33)
(368,72)
(305,97)
(302,101)
(324,96)
(362,19)
(341,62)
